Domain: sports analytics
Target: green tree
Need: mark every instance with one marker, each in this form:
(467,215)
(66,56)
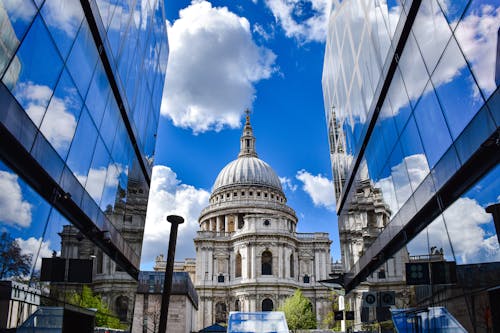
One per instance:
(12,261)
(298,312)
(103,317)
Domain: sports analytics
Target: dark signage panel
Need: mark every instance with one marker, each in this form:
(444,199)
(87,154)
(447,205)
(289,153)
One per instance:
(417,273)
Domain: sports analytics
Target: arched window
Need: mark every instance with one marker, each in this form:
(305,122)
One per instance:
(220,312)
(267,305)
(238,265)
(267,263)
(292,273)
(237,305)
(122,307)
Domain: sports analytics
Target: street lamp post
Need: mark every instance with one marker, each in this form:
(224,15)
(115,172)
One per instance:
(167,283)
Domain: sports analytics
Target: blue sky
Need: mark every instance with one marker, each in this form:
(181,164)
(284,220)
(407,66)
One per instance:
(276,55)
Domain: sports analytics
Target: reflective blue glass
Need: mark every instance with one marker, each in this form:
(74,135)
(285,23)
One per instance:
(432,126)
(15,18)
(82,59)
(63,19)
(40,69)
(456,89)
(98,94)
(477,35)
(82,147)
(60,120)
(432,32)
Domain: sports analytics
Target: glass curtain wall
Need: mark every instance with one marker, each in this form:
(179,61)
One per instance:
(413,107)
(80,93)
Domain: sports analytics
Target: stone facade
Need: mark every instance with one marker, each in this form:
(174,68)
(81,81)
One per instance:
(249,256)
(182,306)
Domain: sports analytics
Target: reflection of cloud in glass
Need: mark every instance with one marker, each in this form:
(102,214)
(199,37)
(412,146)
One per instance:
(13,209)
(391,186)
(471,243)
(34,247)
(18,10)
(477,35)
(59,124)
(96,180)
(65,15)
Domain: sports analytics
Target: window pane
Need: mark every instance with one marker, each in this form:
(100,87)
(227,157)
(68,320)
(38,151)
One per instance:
(432,127)
(82,59)
(477,35)
(61,118)
(15,17)
(40,68)
(432,32)
(82,148)
(63,18)
(456,89)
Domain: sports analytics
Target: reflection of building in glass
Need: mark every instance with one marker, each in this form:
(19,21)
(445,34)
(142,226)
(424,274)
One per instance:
(412,108)
(249,256)
(80,93)
(8,45)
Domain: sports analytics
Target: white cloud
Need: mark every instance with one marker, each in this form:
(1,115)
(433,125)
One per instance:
(287,184)
(477,35)
(99,178)
(13,209)
(58,124)
(34,247)
(213,66)
(470,242)
(169,196)
(319,188)
(403,180)
(261,31)
(64,15)
(18,10)
(304,20)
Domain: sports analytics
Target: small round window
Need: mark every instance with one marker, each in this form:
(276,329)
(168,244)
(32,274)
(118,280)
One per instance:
(267,222)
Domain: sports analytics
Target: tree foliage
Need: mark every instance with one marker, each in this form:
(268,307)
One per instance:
(298,312)
(12,261)
(104,316)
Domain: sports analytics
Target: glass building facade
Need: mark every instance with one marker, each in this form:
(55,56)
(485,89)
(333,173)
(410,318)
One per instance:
(80,93)
(413,107)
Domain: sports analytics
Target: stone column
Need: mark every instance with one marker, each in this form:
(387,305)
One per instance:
(226,222)
(280,261)
(217,225)
(252,262)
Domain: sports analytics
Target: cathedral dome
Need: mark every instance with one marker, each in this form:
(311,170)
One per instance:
(247,170)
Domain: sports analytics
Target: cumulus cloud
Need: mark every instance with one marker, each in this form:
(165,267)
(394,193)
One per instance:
(304,20)
(36,248)
(288,184)
(63,15)
(213,66)
(319,188)
(14,210)
(471,243)
(477,35)
(403,180)
(58,123)
(169,196)
(99,178)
